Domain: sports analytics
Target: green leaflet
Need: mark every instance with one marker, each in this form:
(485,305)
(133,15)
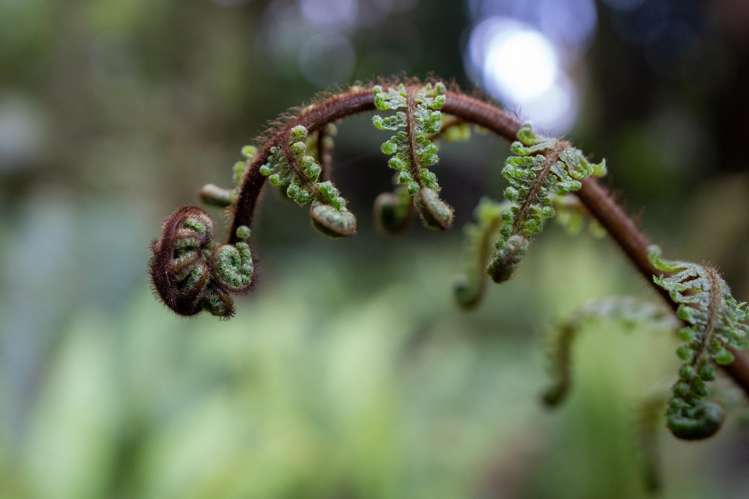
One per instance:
(628,311)
(539,170)
(297,175)
(480,237)
(415,121)
(715,321)
(214,195)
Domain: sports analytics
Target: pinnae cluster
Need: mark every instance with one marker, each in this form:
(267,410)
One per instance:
(714,323)
(297,175)
(416,120)
(539,171)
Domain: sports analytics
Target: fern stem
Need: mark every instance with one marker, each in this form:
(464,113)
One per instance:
(593,195)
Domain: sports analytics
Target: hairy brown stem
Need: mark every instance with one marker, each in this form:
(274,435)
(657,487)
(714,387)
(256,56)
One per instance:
(593,195)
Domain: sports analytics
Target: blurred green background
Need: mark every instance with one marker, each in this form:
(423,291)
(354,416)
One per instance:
(349,373)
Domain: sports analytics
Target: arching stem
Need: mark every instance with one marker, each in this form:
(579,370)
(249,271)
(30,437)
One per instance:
(601,205)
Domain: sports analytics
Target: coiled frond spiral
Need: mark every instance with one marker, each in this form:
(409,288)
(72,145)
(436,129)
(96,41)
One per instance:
(191,273)
(539,170)
(715,323)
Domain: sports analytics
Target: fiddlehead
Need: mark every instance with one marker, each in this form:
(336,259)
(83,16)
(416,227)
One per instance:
(627,311)
(480,237)
(412,151)
(538,170)
(297,175)
(715,322)
(190,272)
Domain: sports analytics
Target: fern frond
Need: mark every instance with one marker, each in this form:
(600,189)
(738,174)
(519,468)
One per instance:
(480,237)
(297,175)
(628,311)
(190,272)
(715,322)
(539,169)
(412,151)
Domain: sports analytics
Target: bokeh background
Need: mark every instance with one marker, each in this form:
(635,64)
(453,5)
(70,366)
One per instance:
(349,373)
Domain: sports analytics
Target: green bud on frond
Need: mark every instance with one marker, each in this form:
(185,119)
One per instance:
(213,195)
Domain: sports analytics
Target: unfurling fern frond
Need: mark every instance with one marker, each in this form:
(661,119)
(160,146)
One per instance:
(297,175)
(214,195)
(191,273)
(627,311)
(480,237)
(324,148)
(412,151)
(538,170)
(715,323)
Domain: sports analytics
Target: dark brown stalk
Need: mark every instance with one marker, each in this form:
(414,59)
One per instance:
(324,155)
(593,195)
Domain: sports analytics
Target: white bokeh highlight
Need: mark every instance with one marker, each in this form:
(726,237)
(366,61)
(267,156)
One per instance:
(520,66)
